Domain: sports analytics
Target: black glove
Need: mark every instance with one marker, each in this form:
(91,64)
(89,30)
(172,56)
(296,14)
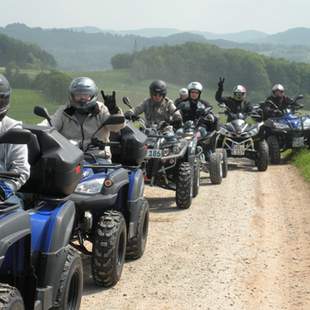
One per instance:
(177,123)
(110,102)
(221,83)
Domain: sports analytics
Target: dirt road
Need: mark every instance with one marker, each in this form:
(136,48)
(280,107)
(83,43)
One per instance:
(242,245)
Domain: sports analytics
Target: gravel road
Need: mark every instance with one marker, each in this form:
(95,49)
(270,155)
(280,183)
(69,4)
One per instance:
(244,244)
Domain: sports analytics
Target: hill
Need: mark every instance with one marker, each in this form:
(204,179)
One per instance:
(23,55)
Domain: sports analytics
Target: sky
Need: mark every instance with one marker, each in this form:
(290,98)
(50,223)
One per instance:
(219,16)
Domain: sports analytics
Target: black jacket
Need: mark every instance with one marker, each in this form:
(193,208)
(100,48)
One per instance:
(192,110)
(233,105)
(273,105)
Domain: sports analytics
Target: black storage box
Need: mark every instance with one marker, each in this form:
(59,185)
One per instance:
(132,150)
(56,164)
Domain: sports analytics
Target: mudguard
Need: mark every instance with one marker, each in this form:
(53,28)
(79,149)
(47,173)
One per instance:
(14,226)
(52,224)
(135,199)
(191,151)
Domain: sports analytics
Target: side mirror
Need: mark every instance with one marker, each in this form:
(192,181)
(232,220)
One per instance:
(16,136)
(299,97)
(42,112)
(126,101)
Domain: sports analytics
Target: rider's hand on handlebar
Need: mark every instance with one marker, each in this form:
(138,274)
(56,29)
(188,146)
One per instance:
(5,191)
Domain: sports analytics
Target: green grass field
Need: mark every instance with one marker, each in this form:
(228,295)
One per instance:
(23,102)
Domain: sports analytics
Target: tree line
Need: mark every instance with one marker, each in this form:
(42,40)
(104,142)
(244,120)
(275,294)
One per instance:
(204,62)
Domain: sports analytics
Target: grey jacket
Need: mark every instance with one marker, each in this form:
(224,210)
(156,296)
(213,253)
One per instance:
(157,112)
(14,157)
(67,123)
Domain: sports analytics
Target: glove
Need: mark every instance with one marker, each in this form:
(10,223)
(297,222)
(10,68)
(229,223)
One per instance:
(177,123)
(130,115)
(221,83)
(5,191)
(110,102)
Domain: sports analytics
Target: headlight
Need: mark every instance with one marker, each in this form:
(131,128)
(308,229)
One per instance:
(176,149)
(280,125)
(253,132)
(90,187)
(166,152)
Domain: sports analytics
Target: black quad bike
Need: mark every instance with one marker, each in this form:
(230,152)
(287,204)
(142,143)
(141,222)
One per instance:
(287,131)
(112,213)
(39,269)
(213,160)
(171,161)
(241,139)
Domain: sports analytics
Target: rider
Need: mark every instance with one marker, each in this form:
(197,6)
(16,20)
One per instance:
(194,107)
(82,118)
(275,104)
(183,96)
(158,107)
(236,103)
(13,157)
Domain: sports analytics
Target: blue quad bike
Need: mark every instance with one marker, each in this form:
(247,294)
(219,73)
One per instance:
(112,213)
(288,131)
(39,269)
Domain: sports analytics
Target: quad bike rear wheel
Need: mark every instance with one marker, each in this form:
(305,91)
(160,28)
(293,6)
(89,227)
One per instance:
(10,298)
(274,150)
(136,245)
(184,186)
(109,248)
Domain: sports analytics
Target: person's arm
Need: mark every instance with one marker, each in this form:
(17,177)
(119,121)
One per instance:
(140,108)
(104,112)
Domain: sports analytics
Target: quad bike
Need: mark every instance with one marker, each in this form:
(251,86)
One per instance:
(213,160)
(288,131)
(240,139)
(171,161)
(39,269)
(112,212)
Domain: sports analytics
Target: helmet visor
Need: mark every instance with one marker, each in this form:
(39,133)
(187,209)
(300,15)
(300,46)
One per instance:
(239,95)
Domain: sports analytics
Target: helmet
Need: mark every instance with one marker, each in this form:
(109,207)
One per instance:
(5,92)
(195,86)
(158,87)
(83,86)
(183,92)
(277,87)
(239,92)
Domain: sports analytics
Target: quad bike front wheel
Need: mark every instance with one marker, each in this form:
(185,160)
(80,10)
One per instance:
(262,155)
(215,168)
(10,298)
(224,161)
(136,245)
(70,287)
(109,248)
(196,179)
(184,186)
(274,150)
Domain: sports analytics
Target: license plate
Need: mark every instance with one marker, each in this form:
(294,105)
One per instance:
(298,142)
(238,150)
(154,153)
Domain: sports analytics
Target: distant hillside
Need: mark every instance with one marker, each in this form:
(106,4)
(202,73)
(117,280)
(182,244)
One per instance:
(89,51)
(23,55)
(295,36)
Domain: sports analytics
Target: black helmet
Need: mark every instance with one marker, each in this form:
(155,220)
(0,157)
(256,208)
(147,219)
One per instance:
(83,86)
(5,92)
(158,87)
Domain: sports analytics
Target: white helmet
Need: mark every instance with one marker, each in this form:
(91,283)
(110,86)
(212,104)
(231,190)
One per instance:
(195,86)
(239,92)
(278,87)
(183,92)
